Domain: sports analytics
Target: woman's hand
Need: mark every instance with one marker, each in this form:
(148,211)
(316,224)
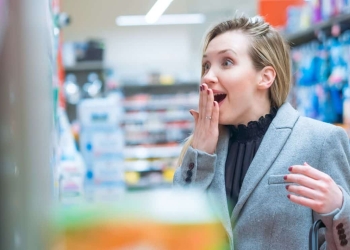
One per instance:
(316,189)
(206,131)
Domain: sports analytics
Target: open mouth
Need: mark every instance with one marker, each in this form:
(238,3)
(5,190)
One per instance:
(219,97)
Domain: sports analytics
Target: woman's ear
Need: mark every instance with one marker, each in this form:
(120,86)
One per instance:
(267,77)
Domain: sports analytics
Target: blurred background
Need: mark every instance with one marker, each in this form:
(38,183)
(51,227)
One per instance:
(94,101)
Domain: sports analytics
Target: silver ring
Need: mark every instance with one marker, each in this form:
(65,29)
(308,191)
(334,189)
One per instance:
(208,117)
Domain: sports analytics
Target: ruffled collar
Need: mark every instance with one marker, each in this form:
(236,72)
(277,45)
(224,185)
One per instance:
(254,129)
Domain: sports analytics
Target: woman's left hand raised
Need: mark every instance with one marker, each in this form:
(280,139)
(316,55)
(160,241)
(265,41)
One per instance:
(315,189)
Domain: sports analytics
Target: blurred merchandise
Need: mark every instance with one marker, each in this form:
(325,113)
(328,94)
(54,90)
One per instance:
(83,80)
(70,168)
(155,124)
(93,87)
(112,81)
(157,220)
(79,52)
(62,19)
(102,144)
(298,18)
(322,71)
(71,89)
(305,16)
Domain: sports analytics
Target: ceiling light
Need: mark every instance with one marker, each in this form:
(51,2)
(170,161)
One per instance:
(163,20)
(157,10)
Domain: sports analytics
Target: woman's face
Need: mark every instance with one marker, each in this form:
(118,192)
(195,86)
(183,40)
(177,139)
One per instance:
(229,72)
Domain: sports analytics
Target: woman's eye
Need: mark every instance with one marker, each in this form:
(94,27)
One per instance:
(206,66)
(227,63)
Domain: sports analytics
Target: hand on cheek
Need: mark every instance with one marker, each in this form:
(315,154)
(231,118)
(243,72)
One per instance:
(313,188)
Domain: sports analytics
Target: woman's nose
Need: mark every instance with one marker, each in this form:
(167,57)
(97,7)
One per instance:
(210,77)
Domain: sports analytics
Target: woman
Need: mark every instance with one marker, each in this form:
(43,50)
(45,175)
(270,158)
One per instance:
(271,171)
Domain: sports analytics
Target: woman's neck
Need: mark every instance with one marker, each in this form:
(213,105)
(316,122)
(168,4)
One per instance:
(254,112)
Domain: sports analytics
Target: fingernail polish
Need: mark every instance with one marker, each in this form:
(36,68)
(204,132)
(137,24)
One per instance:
(285,177)
(288,196)
(287,187)
(214,104)
(191,113)
(208,91)
(290,169)
(201,88)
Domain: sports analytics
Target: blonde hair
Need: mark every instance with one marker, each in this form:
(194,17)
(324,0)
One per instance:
(267,48)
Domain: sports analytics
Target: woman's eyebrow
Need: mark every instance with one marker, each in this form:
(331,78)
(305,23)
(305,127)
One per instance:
(221,52)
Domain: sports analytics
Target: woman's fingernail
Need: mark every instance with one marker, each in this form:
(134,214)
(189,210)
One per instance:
(214,104)
(290,169)
(208,91)
(288,196)
(201,88)
(287,187)
(285,177)
(191,113)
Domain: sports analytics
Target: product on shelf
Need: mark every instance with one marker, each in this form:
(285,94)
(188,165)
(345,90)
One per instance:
(322,70)
(71,89)
(101,144)
(70,168)
(304,16)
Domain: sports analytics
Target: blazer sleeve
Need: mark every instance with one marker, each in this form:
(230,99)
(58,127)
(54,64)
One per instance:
(197,169)
(334,160)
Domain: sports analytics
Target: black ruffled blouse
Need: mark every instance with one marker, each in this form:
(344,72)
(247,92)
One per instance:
(243,145)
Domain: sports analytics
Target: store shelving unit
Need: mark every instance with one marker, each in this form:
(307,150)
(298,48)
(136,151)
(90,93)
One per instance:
(86,66)
(156,122)
(180,87)
(152,152)
(322,31)
(310,34)
(81,70)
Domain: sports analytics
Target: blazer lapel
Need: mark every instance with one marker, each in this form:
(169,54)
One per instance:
(271,145)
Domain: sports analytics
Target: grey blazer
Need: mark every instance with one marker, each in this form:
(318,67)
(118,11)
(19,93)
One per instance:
(264,218)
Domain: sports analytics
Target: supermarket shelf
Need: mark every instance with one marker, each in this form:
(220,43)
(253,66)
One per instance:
(86,66)
(141,166)
(309,34)
(177,84)
(156,129)
(81,70)
(145,186)
(155,121)
(166,117)
(146,166)
(155,142)
(151,152)
(132,89)
(159,104)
